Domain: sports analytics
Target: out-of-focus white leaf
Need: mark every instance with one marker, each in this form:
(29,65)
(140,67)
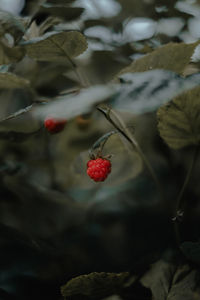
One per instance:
(146,91)
(194,27)
(12,6)
(103,33)
(73,105)
(139,29)
(170,26)
(188,7)
(96,9)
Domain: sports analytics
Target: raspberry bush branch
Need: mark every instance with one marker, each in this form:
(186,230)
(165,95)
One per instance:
(99,145)
(122,128)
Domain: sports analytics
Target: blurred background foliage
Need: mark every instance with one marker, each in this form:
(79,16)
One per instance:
(65,57)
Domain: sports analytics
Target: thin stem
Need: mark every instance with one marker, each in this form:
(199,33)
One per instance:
(140,152)
(84,81)
(180,203)
(76,71)
(100,143)
(74,66)
(127,134)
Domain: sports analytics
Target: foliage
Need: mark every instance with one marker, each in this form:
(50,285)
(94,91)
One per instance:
(125,75)
(94,285)
(179,120)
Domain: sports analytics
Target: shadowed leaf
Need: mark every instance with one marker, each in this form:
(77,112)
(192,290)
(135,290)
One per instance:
(179,120)
(170,282)
(56,46)
(17,137)
(94,285)
(191,251)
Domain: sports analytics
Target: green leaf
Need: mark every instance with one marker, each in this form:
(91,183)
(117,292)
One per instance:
(179,120)
(11,24)
(12,81)
(170,282)
(9,55)
(191,251)
(94,285)
(56,46)
(173,57)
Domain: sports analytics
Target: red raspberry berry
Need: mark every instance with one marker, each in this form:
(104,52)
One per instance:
(54,125)
(98,169)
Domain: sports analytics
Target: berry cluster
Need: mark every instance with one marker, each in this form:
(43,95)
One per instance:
(54,125)
(98,169)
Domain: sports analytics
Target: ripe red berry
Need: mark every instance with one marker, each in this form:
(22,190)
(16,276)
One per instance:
(98,169)
(54,125)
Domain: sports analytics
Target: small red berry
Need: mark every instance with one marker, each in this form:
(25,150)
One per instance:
(98,169)
(54,125)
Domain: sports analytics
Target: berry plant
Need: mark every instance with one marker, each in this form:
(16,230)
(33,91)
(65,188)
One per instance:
(99,150)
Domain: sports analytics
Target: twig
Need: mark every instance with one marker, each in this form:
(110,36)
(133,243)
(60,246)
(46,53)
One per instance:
(18,113)
(127,134)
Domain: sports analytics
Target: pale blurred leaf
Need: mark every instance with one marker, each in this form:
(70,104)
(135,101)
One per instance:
(73,105)
(146,91)
(14,7)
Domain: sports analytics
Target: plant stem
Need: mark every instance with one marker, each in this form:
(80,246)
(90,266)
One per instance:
(74,66)
(128,135)
(180,203)
(77,72)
